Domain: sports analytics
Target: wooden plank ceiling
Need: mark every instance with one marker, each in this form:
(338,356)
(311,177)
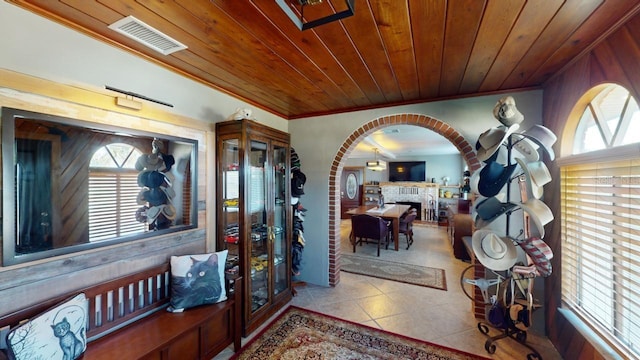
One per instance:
(390,52)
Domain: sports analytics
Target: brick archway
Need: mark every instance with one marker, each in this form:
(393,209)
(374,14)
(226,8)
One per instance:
(467,151)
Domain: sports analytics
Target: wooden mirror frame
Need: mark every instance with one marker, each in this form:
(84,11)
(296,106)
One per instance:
(187,162)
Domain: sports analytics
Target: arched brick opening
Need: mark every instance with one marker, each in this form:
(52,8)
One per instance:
(467,151)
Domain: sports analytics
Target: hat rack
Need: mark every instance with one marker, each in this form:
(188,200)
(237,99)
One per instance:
(510,330)
(507,283)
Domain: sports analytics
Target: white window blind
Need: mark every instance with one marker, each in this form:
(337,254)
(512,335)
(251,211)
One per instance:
(601,248)
(113,205)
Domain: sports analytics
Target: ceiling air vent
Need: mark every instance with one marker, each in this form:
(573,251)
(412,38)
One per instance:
(146,35)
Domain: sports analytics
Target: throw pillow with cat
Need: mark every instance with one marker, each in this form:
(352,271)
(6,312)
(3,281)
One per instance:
(197,280)
(58,334)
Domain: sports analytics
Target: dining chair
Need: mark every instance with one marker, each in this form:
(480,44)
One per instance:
(365,227)
(406,226)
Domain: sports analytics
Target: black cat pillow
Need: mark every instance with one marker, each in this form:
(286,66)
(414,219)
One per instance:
(59,333)
(197,280)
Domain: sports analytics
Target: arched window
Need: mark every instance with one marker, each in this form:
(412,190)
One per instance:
(600,217)
(113,190)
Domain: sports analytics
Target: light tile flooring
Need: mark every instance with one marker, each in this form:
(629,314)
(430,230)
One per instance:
(436,316)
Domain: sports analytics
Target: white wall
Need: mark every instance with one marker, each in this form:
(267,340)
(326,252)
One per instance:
(317,140)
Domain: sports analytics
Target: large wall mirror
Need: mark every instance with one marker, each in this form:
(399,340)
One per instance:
(69,185)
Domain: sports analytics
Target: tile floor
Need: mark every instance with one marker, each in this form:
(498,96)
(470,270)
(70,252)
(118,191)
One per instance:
(436,316)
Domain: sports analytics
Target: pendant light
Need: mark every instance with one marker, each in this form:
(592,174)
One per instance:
(376,165)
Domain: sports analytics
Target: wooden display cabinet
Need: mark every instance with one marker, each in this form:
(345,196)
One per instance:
(254,214)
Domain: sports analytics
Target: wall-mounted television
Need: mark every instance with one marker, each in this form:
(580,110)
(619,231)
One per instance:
(407,171)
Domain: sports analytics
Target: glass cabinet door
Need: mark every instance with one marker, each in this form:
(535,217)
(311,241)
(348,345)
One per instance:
(230,162)
(280,259)
(254,215)
(258,247)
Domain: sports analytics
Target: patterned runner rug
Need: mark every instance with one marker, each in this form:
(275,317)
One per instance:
(303,334)
(406,273)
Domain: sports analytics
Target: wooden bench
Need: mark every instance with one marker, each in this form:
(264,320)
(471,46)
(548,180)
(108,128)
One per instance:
(128,320)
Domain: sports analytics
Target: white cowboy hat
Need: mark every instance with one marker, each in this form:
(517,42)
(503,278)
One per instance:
(526,148)
(506,112)
(490,140)
(474,180)
(539,213)
(537,175)
(539,135)
(494,252)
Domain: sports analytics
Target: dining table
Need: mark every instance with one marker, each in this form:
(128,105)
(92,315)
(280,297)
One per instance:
(391,212)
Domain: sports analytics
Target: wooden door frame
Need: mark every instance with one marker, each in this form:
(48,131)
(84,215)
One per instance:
(360,170)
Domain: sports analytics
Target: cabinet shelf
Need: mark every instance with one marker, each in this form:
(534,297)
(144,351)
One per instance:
(370,193)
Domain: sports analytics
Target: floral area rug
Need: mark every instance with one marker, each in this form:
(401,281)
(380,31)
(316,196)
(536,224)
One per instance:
(303,334)
(406,273)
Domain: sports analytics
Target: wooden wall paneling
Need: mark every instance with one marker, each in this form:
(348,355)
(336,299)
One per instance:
(382,75)
(578,346)
(253,51)
(204,37)
(613,60)
(596,71)
(359,88)
(493,31)
(24,286)
(563,24)
(428,40)
(526,30)
(608,65)
(309,45)
(583,38)
(197,21)
(462,24)
(627,51)
(633,26)
(399,53)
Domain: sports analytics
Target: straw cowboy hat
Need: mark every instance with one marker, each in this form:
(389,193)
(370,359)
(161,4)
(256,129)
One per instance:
(537,175)
(506,112)
(241,113)
(169,211)
(494,252)
(490,140)
(149,162)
